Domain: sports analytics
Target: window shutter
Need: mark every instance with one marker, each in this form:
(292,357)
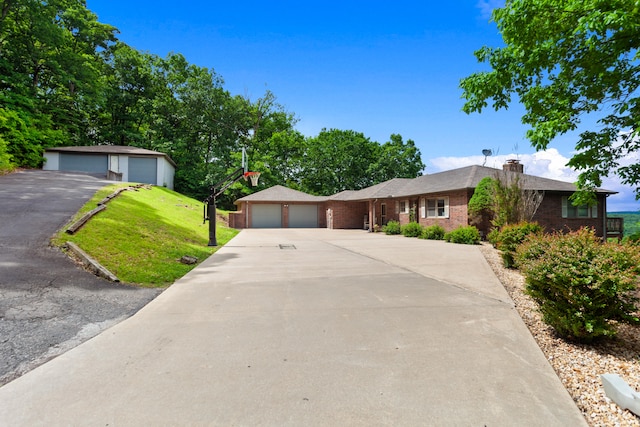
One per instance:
(564,207)
(423,208)
(446,207)
(397,207)
(594,211)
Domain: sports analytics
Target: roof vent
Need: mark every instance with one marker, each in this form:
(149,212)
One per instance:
(513,165)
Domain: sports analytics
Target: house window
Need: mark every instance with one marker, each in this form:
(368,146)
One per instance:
(423,208)
(404,206)
(581,211)
(438,208)
(383,213)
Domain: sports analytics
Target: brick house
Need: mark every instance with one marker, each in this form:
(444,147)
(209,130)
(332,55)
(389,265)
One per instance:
(441,198)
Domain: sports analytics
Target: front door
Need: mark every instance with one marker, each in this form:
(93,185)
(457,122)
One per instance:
(383,213)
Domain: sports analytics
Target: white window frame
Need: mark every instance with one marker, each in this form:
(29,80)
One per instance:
(570,211)
(433,207)
(423,207)
(404,206)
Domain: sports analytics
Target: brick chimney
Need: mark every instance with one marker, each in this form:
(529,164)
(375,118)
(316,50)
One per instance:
(513,165)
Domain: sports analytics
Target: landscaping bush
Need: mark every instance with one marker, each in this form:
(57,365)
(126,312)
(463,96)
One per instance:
(583,286)
(392,227)
(510,237)
(493,236)
(433,232)
(468,235)
(413,229)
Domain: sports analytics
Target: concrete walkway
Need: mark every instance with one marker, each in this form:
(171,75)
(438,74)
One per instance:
(309,327)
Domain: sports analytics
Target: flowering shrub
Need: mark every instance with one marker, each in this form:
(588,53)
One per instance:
(583,286)
(468,235)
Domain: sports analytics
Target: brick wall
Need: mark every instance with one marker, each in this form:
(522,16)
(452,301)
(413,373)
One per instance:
(347,215)
(549,215)
(458,213)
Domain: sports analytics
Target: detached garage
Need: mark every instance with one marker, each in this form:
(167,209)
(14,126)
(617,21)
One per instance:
(114,162)
(279,207)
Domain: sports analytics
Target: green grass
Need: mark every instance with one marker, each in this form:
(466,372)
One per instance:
(142,235)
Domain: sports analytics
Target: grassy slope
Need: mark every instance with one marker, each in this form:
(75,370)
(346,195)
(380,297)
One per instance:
(142,234)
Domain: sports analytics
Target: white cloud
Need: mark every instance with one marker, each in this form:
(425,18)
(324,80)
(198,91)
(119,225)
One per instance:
(487,6)
(547,164)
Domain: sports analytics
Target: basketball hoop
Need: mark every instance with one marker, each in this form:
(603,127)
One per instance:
(253,176)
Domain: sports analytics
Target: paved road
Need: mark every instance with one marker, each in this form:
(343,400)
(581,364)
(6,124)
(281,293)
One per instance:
(309,327)
(47,304)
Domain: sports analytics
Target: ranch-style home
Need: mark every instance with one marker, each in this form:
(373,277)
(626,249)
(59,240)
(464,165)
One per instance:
(440,198)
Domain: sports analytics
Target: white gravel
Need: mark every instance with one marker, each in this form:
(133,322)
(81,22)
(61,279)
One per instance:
(578,366)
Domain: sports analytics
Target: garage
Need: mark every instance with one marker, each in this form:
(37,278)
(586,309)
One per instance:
(113,162)
(143,169)
(89,163)
(266,216)
(303,216)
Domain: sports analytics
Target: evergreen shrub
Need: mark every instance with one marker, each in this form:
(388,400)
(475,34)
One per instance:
(468,235)
(433,232)
(412,229)
(392,227)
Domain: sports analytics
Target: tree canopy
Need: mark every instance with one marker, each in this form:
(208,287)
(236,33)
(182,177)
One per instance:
(563,60)
(66,79)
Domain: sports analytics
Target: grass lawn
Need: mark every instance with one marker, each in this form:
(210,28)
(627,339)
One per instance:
(142,234)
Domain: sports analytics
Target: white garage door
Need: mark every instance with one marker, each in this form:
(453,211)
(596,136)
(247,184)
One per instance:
(266,216)
(303,216)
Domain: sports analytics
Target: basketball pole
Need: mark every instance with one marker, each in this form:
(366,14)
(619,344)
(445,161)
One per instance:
(229,180)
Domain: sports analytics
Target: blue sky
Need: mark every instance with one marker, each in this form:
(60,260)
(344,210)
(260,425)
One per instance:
(373,67)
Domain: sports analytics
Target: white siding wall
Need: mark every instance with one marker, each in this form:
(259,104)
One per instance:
(52,161)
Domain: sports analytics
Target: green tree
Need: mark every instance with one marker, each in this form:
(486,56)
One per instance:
(397,159)
(563,60)
(338,160)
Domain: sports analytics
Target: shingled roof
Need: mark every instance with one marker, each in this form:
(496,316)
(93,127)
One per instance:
(278,193)
(111,149)
(469,177)
(451,180)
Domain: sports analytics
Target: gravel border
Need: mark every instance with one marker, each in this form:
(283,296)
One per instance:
(578,366)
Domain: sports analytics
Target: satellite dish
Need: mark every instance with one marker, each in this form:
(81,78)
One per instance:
(486,152)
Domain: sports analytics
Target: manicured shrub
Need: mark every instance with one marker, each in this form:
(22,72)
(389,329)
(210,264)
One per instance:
(583,286)
(493,236)
(468,235)
(413,229)
(433,232)
(392,227)
(510,237)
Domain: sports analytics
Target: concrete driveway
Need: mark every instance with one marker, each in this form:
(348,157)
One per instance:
(47,303)
(309,327)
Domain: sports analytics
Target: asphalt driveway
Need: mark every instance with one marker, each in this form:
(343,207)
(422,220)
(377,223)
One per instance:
(47,303)
(309,327)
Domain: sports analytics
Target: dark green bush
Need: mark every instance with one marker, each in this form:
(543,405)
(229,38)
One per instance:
(413,229)
(433,232)
(582,286)
(493,236)
(468,235)
(392,227)
(510,237)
